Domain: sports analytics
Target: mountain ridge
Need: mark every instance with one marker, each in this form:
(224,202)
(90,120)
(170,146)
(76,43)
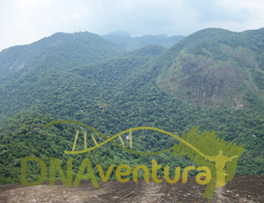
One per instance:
(17,57)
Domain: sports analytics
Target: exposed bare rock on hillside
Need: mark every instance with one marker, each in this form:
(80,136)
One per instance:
(240,189)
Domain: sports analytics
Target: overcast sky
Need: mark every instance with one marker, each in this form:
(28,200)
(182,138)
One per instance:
(26,21)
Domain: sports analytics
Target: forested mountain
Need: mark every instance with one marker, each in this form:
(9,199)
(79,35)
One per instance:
(215,67)
(78,48)
(212,78)
(124,40)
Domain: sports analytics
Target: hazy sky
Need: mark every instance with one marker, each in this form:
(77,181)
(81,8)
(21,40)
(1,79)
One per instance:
(25,21)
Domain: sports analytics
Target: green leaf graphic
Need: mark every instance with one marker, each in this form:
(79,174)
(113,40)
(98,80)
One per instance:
(208,146)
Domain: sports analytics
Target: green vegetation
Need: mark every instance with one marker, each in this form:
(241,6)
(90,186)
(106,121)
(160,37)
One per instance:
(213,78)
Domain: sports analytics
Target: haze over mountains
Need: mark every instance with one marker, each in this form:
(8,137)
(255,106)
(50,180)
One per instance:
(213,78)
(124,40)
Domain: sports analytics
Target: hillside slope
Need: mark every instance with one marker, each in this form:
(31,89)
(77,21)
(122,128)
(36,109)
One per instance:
(215,67)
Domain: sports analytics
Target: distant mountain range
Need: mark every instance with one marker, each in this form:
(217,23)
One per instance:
(129,43)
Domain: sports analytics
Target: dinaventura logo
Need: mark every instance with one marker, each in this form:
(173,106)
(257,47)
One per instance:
(217,160)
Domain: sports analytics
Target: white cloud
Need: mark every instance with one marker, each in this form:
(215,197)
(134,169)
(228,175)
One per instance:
(216,11)
(63,16)
(76,15)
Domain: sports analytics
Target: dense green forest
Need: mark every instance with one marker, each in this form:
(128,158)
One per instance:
(212,78)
